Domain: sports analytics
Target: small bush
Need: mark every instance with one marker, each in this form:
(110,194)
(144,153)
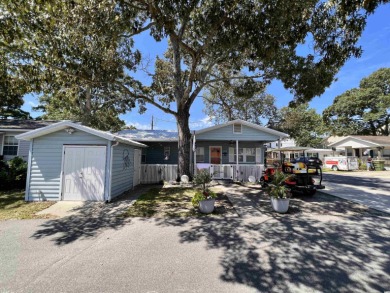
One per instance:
(202,195)
(203,178)
(13,174)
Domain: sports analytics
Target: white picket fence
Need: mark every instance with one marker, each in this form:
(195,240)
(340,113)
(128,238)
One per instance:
(155,173)
(230,172)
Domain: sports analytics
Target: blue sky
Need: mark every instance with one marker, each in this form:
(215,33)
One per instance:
(375,42)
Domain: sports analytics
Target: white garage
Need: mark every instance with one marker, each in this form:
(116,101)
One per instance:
(69,161)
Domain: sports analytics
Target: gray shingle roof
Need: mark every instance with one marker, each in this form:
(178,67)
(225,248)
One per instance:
(24,124)
(149,135)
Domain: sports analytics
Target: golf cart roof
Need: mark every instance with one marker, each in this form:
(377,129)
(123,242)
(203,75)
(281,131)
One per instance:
(290,149)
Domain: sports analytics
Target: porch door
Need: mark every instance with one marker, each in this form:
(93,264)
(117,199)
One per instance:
(215,155)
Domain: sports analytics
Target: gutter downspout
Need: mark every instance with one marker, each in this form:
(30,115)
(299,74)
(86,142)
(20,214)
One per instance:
(110,170)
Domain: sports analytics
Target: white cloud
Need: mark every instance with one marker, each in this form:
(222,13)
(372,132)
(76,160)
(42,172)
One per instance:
(32,104)
(206,121)
(138,125)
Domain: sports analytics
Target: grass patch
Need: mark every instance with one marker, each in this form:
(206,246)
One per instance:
(13,206)
(173,202)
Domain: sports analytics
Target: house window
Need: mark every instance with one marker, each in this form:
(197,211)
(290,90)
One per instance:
(167,153)
(200,154)
(143,156)
(237,128)
(245,155)
(250,155)
(10,147)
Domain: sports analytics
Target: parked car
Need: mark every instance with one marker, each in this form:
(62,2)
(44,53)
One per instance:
(310,161)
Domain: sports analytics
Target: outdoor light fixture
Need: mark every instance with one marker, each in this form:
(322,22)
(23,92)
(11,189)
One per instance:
(70,130)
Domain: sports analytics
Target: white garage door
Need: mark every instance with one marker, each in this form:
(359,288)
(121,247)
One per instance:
(84,173)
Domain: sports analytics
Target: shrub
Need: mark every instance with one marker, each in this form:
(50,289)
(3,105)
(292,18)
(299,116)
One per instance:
(202,195)
(277,187)
(13,173)
(203,178)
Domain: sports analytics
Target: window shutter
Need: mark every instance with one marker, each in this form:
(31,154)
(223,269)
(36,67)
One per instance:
(258,155)
(231,155)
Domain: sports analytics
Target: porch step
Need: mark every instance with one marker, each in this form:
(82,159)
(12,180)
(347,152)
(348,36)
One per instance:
(221,181)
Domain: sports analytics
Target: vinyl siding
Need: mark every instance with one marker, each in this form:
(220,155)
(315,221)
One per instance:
(122,170)
(247,134)
(225,149)
(155,153)
(45,172)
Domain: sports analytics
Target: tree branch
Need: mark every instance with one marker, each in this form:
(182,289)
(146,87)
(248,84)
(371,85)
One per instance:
(232,78)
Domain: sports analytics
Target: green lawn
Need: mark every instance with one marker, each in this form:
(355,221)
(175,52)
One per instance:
(13,206)
(173,202)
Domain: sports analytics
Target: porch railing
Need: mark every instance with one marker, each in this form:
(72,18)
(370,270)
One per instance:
(155,173)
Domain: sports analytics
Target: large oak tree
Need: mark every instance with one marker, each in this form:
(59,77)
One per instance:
(363,110)
(93,40)
(239,99)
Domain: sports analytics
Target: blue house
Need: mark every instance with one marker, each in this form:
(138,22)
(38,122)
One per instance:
(69,161)
(233,150)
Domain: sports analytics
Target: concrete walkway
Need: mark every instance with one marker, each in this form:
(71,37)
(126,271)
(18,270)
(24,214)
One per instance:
(71,208)
(238,196)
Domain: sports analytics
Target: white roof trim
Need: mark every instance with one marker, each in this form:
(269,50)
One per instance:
(64,124)
(252,125)
(370,144)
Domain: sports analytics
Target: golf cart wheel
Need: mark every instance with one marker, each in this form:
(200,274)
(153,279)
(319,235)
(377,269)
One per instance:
(334,168)
(311,192)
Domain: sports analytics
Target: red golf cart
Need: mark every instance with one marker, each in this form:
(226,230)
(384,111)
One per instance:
(306,172)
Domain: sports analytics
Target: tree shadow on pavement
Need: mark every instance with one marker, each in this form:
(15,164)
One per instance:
(89,221)
(299,251)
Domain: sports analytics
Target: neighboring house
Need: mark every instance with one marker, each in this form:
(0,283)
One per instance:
(11,147)
(231,150)
(363,145)
(69,161)
(285,142)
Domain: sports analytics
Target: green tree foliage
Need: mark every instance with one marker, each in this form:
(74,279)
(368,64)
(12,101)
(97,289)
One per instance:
(86,105)
(304,125)
(12,85)
(238,99)
(92,42)
(363,110)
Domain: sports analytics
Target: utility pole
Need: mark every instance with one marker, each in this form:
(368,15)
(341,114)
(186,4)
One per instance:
(152,122)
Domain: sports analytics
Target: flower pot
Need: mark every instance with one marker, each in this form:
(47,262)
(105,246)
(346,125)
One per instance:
(207,206)
(280,205)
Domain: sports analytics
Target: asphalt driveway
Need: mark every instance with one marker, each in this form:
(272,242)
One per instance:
(324,244)
(368,188)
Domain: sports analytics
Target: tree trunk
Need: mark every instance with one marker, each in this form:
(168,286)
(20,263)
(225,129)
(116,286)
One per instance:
(184,143)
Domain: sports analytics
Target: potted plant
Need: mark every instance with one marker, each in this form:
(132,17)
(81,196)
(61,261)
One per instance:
(204,198)
(279,193)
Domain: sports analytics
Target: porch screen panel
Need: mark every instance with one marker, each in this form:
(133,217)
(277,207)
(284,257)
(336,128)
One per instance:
(258,155)
(232,158)
(200,154)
